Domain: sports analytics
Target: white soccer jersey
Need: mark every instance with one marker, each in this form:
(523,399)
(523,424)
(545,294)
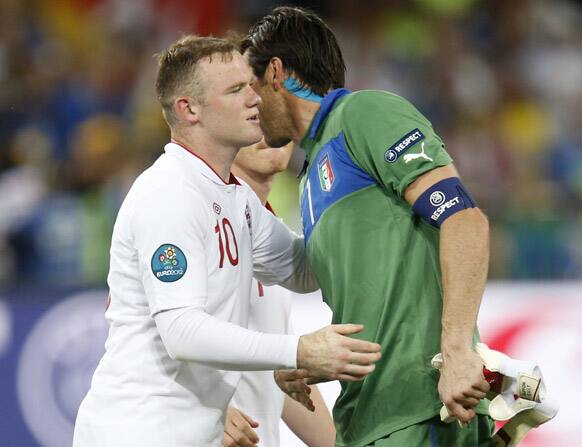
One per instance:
(257,394)
(183,238)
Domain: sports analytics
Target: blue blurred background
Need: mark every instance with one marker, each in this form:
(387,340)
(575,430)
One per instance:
(501,82)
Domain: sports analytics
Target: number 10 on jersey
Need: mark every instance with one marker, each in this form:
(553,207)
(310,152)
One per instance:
(228,234)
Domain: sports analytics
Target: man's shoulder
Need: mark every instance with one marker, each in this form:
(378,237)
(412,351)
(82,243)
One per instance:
(370,112)
(364,101)
(164,184)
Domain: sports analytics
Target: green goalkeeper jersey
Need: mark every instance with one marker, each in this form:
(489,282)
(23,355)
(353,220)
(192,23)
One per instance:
(377,263)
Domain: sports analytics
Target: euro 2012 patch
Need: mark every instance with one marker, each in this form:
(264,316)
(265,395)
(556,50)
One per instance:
(169,263)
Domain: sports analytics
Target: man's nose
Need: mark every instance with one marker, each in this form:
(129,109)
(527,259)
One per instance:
(253,99)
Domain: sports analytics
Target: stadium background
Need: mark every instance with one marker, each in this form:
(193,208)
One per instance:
(500,80)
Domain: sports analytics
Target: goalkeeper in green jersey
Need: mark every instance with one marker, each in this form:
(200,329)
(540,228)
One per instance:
(394,237)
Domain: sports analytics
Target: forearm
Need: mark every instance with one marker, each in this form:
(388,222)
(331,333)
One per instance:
(464,257)
(314,429)
(190,334)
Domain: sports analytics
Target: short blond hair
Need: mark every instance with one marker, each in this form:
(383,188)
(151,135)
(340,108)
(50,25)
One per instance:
(177,69)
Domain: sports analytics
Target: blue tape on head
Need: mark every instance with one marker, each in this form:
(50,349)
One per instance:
(298,90)
(442,200)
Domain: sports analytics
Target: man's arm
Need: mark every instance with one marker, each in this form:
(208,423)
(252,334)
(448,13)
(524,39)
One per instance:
(279,254)
(190,334)
(316,428)
(464,260)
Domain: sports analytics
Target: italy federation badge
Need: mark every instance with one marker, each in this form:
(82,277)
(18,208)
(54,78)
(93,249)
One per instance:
(169,263)
(326,176)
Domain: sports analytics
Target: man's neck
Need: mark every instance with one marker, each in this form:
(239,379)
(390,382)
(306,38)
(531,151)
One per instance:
(260,184)
(302,113)
(219,158)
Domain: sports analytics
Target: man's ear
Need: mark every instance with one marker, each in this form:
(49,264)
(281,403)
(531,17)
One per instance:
(186,110)
(276,73)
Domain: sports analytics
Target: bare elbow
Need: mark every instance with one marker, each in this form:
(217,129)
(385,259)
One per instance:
(470,221)
(481,223)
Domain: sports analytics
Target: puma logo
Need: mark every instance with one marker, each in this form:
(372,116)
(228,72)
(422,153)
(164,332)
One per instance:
(421,154)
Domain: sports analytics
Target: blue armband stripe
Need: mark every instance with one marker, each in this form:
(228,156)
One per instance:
(442,200)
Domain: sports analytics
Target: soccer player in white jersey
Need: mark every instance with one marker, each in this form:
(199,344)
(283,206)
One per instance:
(259,404)
(185,245)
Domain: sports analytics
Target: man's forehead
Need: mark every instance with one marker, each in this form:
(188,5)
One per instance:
(225,64)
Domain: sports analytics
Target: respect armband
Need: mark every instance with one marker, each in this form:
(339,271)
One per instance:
(442,200)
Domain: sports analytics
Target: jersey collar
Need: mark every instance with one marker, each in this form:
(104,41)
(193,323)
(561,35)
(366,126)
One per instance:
(308,141)
(198,163)
(327,104)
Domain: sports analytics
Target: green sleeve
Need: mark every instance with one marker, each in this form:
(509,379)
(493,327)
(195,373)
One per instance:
(390,139)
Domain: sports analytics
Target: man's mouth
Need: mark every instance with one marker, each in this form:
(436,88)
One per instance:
(254,118)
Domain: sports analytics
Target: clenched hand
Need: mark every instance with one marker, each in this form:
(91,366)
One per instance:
(462,384)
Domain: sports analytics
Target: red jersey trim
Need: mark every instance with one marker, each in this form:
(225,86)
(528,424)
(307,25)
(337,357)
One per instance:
(231,181)
(270,208)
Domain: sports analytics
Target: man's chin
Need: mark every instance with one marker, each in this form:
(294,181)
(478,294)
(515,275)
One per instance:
(276,142)
(251,140)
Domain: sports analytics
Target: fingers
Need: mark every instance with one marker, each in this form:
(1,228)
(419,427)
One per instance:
(347,329)
(236,439)
(358,358)
(458,411)
(245,437)
(296,386)
(350,378)
(361,345)
(469,402)
(482,386)
(238,430)
(249,420)
(461,405)
(354,373)
(304,400)
(227,441)
(292,381)
(358,370)
(327,352)
(477,394)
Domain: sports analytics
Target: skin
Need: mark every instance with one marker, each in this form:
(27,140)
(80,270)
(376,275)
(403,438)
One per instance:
(258,164)
(224,119)
(314,429)
(238,429)
(464,250)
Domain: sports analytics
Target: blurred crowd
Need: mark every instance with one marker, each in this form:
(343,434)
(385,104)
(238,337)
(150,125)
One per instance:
(501,82)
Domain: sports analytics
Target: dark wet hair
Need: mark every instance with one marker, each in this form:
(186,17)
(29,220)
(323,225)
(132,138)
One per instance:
(304,43)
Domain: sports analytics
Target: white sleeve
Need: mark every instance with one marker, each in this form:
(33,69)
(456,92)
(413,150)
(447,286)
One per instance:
(174,219)
(190,334)
(279,254)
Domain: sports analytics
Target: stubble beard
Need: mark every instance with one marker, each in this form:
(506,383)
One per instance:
(274,140)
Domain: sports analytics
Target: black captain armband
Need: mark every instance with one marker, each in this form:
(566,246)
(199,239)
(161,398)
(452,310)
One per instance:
(442,200)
